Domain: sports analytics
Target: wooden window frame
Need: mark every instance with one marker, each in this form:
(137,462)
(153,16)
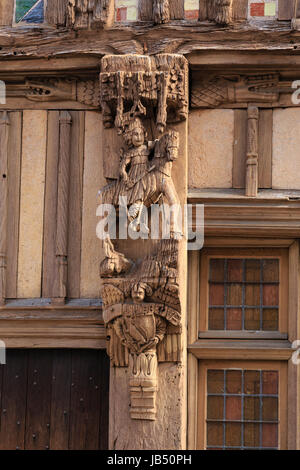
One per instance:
(230,349)
(281,367)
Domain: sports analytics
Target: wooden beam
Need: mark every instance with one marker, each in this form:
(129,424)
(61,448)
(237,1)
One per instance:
(265,139)
(60,283)
(4,133)
(240,10)
(56,12)
(239,148)
(286,9)
(6,12)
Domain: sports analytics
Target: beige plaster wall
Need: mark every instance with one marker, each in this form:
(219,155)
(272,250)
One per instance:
(210,157)
(286,149)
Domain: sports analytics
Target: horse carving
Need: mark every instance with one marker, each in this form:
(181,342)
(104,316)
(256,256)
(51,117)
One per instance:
(144,180)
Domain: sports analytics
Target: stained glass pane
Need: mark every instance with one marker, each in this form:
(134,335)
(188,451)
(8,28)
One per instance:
(126,10)
(244,294)
(29,11)
(191,9)
(263,9)
(242,409)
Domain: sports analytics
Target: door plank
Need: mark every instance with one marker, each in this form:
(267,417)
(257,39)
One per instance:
(13,412)
(60,400)
(85,402)
(37,435)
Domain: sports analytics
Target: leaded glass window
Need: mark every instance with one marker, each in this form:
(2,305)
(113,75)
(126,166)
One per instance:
(29,11)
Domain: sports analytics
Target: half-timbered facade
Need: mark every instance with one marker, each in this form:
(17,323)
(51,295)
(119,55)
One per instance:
(145,344)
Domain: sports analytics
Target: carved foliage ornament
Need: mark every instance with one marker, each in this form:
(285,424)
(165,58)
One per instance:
(141,305)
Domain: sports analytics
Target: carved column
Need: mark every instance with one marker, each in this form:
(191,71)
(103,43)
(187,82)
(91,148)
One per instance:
(4,134)
(252,153)
(60,284)
(143,279)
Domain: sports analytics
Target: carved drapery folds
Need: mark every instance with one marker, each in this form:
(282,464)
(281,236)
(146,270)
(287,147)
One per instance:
(90,14)
(140,293)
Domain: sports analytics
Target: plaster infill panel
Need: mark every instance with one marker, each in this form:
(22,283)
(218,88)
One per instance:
(211,138)
(286,149)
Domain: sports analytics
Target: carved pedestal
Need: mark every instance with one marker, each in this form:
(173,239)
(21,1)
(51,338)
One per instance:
(143,276)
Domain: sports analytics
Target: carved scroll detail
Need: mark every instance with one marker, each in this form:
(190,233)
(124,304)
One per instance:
(219,90)
(4,134)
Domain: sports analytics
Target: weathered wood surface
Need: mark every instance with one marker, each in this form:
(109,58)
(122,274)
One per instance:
(14,171)
(50,204)
(4,142)
(54,399)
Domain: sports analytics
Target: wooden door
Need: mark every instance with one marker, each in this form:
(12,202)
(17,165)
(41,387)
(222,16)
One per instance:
(54,399)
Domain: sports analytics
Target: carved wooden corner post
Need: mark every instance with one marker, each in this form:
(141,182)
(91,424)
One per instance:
(60,283)
(142,276)
(4,134)
(252,152)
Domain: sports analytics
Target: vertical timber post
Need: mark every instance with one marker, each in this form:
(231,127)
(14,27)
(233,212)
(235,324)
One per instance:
(4,135)
(60,283)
